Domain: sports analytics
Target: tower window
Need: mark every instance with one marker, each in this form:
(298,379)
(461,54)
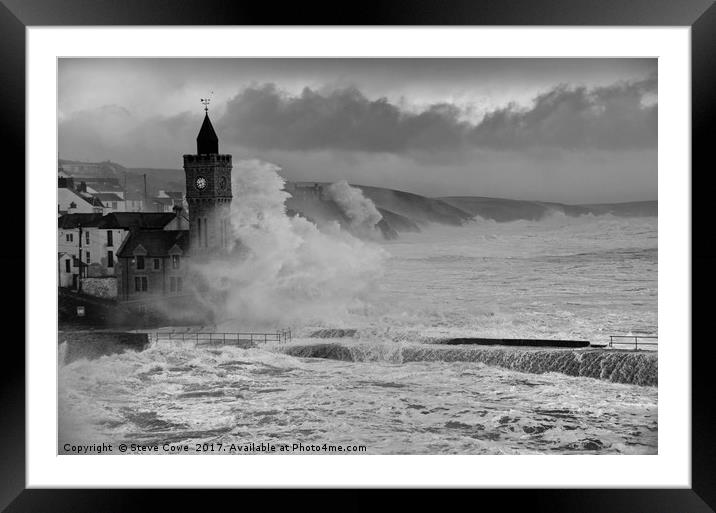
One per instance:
(140,262)
(87,238)
(175,261)
(109,238)
(87,255)
(110,259)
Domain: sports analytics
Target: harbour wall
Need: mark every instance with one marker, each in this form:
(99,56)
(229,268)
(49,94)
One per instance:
(94,344)
(630,367)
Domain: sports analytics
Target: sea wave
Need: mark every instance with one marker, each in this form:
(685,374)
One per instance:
(636,368)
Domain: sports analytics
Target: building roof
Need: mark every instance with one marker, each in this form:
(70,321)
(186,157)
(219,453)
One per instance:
(133,196)
(68,221)
(107,196)
(156,243)
(141,220)
(163,201)
(207,141)
(88,198)
(176,195)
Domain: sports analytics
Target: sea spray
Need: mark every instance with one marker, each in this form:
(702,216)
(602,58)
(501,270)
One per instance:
(284,270)
(636,368)
(361,211)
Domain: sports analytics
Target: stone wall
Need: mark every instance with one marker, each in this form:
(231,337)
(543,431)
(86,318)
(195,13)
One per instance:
(94,344)
(100,287)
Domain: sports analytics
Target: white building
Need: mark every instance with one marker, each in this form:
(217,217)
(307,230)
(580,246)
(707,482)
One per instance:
(92,241)
(71,202)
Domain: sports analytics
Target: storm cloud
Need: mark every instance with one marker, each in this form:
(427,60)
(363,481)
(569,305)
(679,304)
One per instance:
(614,117)
(570,130)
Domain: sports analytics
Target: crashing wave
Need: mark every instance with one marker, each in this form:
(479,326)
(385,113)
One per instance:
(636,368)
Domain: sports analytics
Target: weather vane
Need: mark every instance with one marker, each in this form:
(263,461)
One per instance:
(206,101)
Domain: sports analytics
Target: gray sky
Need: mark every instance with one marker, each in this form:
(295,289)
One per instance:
(569,130)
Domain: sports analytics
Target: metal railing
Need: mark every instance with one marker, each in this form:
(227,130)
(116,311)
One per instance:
(614,341)
(241,339)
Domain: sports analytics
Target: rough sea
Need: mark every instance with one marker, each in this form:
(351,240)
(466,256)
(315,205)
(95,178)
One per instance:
(561,277)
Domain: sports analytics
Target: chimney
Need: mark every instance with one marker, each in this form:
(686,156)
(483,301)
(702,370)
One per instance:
(177,215)
(82,187)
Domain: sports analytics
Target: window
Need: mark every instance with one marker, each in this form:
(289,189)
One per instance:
(110,259)
(75,262)
(172,284)
(179,284)
(156,264)
(87,238)
(140,262)
(175,261)
(69,237)
(109,238)
(140,283)
(87,257)
(114,205)
(199,232)
(206,241)
(67,266)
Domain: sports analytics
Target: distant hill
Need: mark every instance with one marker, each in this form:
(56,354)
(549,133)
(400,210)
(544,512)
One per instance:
(131,179)
(503,210)
(419,209)
(401,211)
(630,209)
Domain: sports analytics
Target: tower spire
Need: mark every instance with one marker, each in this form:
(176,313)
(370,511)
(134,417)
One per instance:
(207,142)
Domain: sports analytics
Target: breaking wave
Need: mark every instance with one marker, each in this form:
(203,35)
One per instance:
(636,368)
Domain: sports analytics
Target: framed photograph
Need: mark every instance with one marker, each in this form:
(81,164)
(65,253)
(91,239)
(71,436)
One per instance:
(435,246)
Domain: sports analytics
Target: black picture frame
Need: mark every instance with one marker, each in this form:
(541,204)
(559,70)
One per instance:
(700,15)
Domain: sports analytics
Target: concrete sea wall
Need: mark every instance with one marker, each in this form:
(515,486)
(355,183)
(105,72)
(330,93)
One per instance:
(637,368)
(93,344)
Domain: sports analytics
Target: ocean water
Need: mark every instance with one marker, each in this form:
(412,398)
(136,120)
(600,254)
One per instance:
(561,277)
(581,278)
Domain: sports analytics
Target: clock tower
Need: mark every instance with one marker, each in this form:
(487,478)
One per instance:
(208,193)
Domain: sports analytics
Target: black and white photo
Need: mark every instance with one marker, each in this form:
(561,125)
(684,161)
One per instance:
(357,256)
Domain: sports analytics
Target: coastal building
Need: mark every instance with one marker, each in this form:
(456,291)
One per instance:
(177,197)
(153,263)
(93,241)
(111,201)
(70,201)
(66,271)
(305,190)
(134,202)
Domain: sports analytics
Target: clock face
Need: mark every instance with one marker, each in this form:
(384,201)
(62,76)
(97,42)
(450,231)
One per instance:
(200,183)
(222,182)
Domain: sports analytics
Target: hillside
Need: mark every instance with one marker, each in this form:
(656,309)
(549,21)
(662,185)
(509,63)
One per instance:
(401,211)
(503,210)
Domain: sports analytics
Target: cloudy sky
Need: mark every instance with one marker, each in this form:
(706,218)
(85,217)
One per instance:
(568,130)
